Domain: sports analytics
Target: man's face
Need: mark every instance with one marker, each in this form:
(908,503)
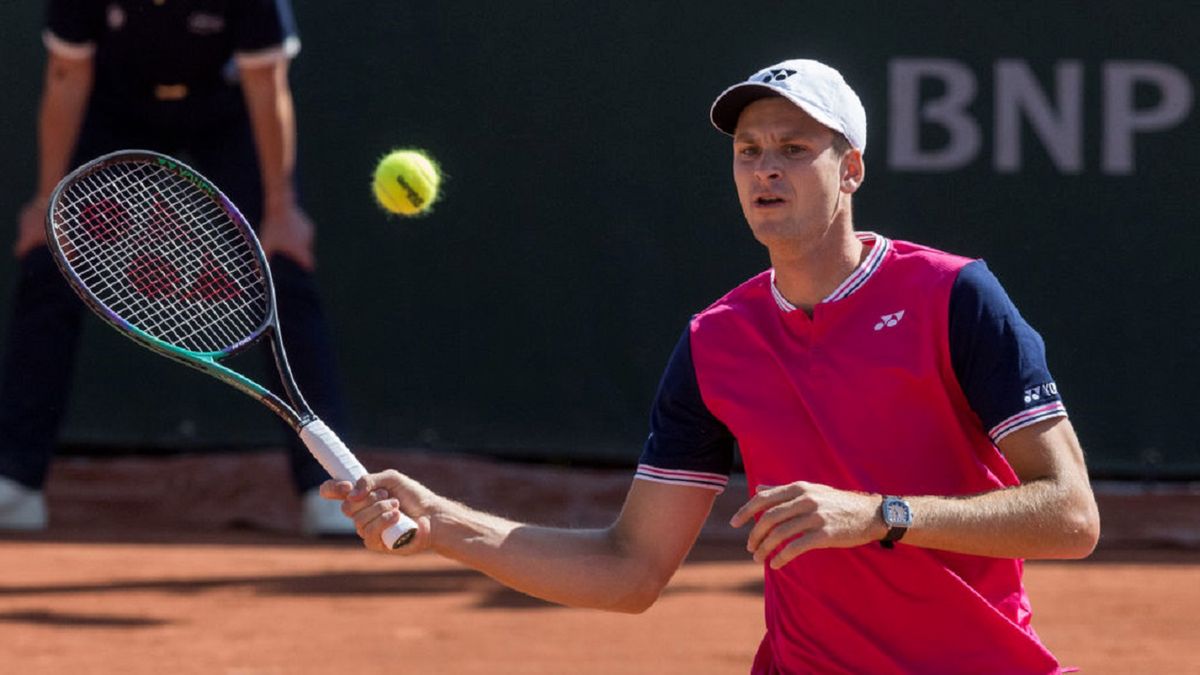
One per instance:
(791,181)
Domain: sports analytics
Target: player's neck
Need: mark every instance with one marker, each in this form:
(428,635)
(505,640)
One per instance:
(806,274)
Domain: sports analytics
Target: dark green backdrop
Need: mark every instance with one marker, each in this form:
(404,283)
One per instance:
(589,211)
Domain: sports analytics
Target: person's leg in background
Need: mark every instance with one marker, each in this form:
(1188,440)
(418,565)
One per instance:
(43,335)
(39,358)
(226,155)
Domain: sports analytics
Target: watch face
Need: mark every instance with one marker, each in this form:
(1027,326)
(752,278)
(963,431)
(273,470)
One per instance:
(897,513)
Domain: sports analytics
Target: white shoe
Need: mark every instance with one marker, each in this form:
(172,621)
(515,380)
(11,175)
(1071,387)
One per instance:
(21,508)
(321,517)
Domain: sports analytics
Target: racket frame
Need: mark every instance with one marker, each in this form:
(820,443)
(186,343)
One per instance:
(207,362)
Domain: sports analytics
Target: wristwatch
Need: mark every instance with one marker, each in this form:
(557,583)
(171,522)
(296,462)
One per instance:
(898,516)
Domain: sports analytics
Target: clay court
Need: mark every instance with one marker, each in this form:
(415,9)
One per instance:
(192,564)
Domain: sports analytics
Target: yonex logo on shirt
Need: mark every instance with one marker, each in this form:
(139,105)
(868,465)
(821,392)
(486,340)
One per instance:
(889,320)
(1041,391)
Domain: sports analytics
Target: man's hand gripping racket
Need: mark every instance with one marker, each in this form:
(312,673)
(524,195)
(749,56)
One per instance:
(165,258)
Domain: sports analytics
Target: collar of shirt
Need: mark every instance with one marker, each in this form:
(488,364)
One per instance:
(879,246)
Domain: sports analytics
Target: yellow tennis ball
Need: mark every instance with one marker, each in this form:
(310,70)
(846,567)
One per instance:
(406,182)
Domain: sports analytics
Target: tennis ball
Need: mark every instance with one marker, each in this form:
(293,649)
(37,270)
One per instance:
(406,182)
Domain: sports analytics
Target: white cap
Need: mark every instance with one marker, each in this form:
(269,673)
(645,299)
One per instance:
(818,89)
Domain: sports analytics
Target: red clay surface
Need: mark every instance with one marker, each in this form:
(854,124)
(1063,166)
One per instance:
(191,565)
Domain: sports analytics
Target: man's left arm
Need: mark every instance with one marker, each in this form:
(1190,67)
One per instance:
(1051,514)
(285,228)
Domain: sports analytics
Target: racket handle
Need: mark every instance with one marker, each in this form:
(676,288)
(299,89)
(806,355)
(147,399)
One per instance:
(340,463)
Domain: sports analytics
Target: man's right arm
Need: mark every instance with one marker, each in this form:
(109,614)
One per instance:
(68,84)
(622,567)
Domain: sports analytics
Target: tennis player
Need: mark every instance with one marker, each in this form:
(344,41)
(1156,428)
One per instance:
(906,444)
(205,80)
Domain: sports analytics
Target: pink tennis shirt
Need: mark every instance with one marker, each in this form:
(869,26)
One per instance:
(901,382)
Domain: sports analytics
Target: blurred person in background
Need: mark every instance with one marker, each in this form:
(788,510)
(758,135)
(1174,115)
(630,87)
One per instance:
(206,80)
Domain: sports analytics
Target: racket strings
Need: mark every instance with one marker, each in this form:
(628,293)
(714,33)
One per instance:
(163,255)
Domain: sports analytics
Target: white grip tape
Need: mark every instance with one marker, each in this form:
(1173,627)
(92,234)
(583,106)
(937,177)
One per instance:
(340,463)
(331,452)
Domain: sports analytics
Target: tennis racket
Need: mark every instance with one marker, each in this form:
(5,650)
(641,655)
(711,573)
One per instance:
(165,258)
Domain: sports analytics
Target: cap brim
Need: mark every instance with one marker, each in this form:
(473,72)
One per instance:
(730,103)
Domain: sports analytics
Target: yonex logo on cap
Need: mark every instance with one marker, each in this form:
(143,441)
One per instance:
(778,74)
(816,88)
(889,320)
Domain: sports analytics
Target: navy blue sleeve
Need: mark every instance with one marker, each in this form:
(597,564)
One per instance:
(261,24)
(75,21)
(999,359)
(687,444)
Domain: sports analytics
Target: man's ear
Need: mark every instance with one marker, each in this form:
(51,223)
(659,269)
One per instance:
(853,170)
